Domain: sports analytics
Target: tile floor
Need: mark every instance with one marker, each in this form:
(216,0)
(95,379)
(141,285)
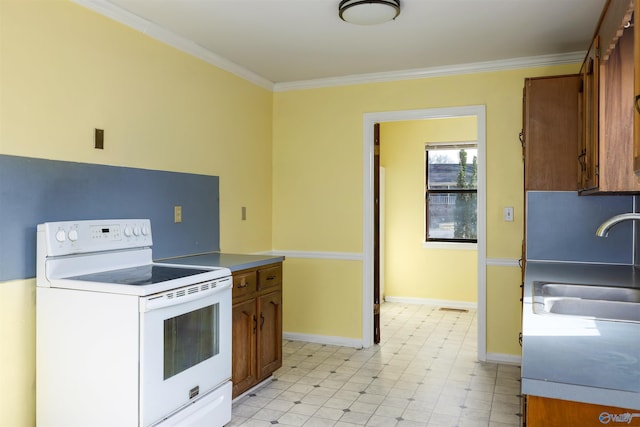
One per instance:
(423,373)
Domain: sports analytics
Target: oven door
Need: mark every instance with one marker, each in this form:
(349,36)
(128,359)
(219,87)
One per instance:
(185,352)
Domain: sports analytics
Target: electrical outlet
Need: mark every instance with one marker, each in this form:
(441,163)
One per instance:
(508,214)
(177,214)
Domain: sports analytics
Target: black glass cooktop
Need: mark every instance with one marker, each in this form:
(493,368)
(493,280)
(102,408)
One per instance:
(141,275)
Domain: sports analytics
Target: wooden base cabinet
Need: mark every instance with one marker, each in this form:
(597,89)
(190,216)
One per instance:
(257,325)
(546,412)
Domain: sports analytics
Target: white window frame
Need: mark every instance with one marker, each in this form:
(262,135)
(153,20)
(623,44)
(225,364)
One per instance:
(430,244)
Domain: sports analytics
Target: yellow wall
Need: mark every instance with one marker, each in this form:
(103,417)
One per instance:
(17,353)
(65,70)
(321,297)
(317,181)
(504,309)
(412,271)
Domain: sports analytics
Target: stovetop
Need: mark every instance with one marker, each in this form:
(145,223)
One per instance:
(140,275)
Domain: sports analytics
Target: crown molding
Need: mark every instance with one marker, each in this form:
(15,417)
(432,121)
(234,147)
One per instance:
(152,30)
(108,9)
(449,70)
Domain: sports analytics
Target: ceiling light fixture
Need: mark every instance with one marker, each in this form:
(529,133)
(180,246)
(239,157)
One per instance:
(368,12)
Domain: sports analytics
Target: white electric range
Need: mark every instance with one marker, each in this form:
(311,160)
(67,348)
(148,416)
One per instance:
(122,340)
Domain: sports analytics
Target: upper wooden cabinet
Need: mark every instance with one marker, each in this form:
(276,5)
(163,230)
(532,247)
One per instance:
(606,152)
(550,133)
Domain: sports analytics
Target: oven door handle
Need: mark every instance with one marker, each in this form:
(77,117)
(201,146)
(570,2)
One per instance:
(184,294)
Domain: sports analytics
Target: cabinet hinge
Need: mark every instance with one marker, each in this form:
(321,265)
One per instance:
(597,170)
(597,52)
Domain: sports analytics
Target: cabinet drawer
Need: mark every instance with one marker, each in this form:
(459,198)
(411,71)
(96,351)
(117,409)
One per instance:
(244,284)
(269,277)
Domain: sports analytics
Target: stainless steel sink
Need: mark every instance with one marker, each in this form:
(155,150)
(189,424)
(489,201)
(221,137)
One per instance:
(599,302)
(599,309)
(608,293)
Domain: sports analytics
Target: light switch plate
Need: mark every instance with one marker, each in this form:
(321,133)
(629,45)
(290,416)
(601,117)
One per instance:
(98,139)
(508,214)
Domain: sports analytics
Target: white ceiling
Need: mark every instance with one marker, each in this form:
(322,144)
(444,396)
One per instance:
(300,40)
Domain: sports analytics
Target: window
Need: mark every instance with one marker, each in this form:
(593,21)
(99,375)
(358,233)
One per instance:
(191,338)
(451,194)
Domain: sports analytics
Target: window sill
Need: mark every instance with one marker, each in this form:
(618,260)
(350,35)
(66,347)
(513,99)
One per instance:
(450,245)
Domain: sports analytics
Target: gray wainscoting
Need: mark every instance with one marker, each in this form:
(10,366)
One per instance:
(33,191)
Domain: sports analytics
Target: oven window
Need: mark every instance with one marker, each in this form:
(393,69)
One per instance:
(190,339)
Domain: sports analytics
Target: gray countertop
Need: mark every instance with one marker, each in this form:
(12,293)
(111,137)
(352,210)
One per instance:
(577,358)
(233,262)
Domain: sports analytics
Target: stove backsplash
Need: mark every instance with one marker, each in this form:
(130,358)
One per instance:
(34,191)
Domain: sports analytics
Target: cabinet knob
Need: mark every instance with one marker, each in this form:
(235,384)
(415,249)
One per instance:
(636,103)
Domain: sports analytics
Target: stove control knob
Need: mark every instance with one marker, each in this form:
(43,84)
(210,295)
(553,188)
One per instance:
(73,235)
(136,230)
(61,236)
(127,231)
(145,230)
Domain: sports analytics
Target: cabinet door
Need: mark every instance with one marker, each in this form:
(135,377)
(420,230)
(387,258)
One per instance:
(270,333)
(550,130)
(547,412)
(588,155)
(616,117)
(243,338)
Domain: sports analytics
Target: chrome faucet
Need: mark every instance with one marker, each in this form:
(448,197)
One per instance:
(603,230)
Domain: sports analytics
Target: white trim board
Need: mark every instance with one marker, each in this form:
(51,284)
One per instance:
(167,37)
(449,70)
(433,302)
(348,256)
(503,262)
(504,359)
(323,339)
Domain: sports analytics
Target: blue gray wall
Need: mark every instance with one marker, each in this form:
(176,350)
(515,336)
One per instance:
(561,226)
(33,191)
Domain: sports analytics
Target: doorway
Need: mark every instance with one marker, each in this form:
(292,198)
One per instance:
(369,224)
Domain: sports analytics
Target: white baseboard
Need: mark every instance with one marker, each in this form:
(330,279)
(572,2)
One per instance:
(323,339)
(505,359)
(428,301)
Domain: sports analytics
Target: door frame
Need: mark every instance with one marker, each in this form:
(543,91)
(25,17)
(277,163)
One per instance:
(369,120)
